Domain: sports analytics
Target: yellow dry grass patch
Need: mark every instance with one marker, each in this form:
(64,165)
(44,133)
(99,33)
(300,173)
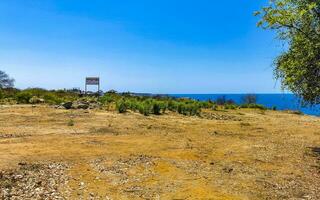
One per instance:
(244,155)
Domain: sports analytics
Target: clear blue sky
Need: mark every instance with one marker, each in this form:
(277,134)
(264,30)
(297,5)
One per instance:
(157,46)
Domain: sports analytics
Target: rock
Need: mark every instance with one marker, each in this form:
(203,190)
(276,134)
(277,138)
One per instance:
(36,100)
(228,169)
(34,181)
(95,105)
(59,107)
(67,105)
(80,105)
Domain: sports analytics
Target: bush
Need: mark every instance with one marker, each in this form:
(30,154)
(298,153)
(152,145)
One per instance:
(121,106)
(194,110)
(109,98)
(230,106)
(188,108)
(181,108)
(164,107)
(156,108)
(141,108)
(52,99)
(147,108)
(206,104)
(221,100)
(9,92)
(23,97)
(70,122)
(172,106)
(249,99)
(256,106)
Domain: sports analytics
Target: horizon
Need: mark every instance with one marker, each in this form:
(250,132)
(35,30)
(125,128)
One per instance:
(163,47)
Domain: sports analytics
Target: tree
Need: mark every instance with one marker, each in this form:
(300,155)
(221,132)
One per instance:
(297,23)
(5,80)
(221,100)
(249,99)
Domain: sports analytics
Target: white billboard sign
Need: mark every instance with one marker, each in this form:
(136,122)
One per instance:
(92,81)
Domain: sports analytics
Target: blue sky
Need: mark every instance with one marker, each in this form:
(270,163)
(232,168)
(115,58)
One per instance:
(158,46)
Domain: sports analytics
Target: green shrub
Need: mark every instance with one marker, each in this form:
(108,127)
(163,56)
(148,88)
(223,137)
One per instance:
(214,107)
(221,100)
(173,106)
(52,99)
(206,104)
(23,97)
(230,106)
(181,108)
(249,99)
(9,92)
(255,106)
(141,108)
(70,122)
(194,110)
(133,105)
(156,108)
(108,98)
(164,107)
(147,107)
(121,106)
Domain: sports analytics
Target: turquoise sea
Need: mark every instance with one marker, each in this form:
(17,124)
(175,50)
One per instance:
(281,101)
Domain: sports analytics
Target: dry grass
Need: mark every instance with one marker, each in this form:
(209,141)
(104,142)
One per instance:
(223,155)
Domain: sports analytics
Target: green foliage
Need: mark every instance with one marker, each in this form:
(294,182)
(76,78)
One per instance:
(121,106)
(145,105)
(50,97)
(5,80)
(255,106)
(249,99)
(71,122)
(231,106)
(23,97)
(156,108)
(156,105)
(221,100)
(188,108)
(297,22)
(9,92)
(109,98)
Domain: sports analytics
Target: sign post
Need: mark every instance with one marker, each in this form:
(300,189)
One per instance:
(92,81)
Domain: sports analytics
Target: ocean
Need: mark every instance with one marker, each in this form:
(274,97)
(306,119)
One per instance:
(280,101)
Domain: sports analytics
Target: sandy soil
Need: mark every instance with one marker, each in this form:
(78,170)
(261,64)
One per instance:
(47,153)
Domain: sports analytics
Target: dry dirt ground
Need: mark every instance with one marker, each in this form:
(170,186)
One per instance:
(47,153)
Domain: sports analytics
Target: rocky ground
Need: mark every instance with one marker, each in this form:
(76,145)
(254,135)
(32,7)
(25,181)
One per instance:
(34,181)
(49,153)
